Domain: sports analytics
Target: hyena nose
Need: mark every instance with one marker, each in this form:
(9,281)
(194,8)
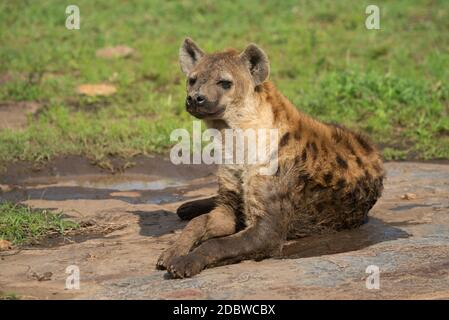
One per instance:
(200,100)
(195,100)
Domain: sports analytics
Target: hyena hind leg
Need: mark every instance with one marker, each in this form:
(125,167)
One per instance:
(192,209)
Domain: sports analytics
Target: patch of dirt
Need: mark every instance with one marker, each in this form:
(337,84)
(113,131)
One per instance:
(5,77)
(120,51)
(14,115)
(98,89)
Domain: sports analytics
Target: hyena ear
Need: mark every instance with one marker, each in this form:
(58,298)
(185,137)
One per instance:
(257,62)
(189,55)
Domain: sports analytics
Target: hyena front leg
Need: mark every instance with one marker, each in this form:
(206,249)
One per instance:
(263,237)
(192,209)
(255,242)
(219,222)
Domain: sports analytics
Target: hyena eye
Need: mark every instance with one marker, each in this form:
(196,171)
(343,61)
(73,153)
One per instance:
(225,84)
(192,81)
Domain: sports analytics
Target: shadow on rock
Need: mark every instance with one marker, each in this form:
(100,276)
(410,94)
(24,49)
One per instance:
(375,231)
(157,223)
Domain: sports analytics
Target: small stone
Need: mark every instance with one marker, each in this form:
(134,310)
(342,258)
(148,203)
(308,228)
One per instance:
(408,196)
(93,90)
(46,276)
(115,52)
(5,245)
(5,188)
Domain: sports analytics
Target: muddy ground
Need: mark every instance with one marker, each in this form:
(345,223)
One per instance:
(407,238)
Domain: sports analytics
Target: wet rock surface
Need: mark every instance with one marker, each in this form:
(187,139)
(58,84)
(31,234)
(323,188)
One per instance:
(406,238)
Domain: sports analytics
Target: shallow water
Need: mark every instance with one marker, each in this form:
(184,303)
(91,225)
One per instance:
(125,183)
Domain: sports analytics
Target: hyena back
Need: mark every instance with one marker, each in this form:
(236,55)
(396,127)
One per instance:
(327,180)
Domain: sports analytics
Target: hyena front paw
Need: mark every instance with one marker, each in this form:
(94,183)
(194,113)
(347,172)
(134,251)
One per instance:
(186,266)
(167,256)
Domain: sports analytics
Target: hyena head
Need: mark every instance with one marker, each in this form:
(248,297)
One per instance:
(218,84)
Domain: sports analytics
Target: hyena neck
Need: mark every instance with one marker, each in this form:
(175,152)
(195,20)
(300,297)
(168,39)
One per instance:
(256,109)
(283,112)
(266,108)
(218,124)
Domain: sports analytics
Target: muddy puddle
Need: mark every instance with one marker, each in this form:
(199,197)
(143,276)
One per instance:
(79,190)
(117,182)
(132,188)
(151,181)
(125,183)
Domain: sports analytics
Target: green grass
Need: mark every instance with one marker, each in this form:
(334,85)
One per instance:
(8,296)
(21,224)
(391,83)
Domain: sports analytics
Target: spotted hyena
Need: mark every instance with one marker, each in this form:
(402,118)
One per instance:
(328,177)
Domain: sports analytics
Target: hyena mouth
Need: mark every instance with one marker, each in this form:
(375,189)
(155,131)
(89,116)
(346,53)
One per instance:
(205,115)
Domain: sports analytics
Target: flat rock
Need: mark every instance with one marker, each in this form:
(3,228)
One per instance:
(120,51)
(99,89)
(5,245)
(406,240)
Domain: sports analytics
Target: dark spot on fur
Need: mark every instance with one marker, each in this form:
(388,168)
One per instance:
(359,161)
(328,177)
(319,206)
(341,183)
(368,175)
(297,135)
(363,143)
(323,148)
(336,136)
(349,147)
(284,140)
(304,155)
(341,162)
(284,195)
(377,167)
(314,147)
(303,177)
(337,132)
(276,112)
(297,160)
